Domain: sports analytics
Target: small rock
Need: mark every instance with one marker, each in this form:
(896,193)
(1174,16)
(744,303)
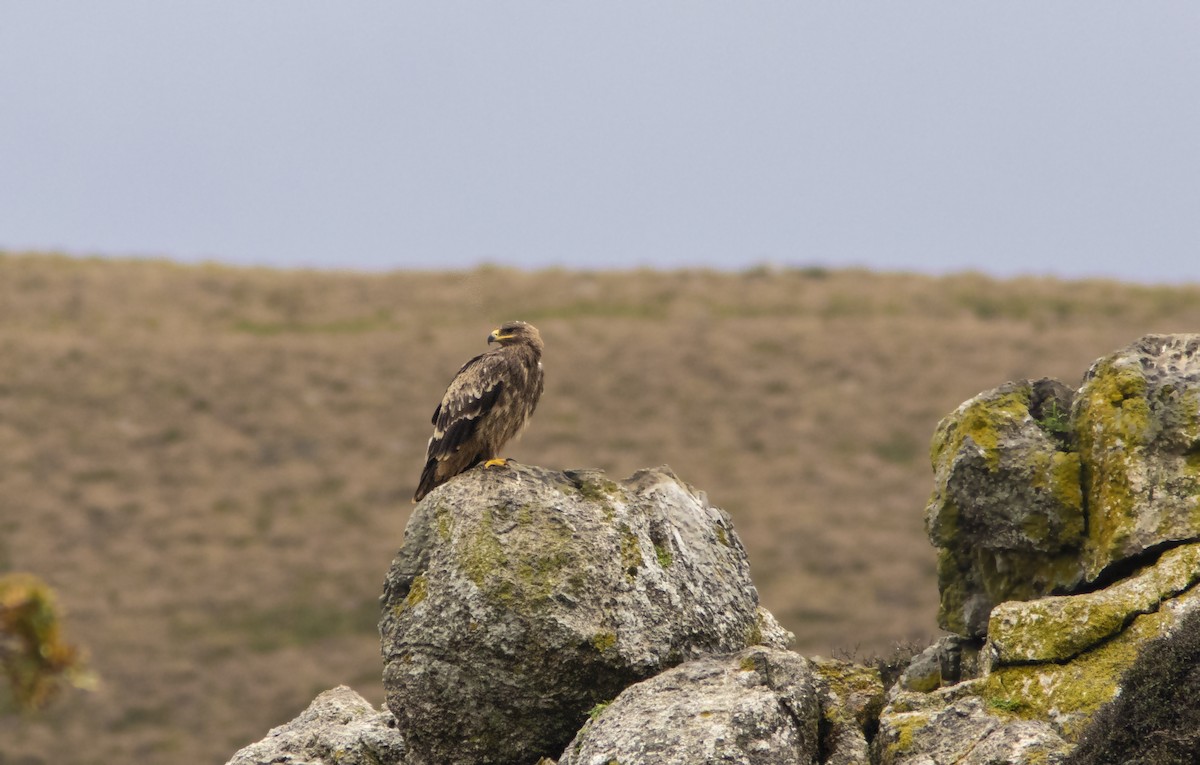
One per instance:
(757,707)
(956,727)
(339,728)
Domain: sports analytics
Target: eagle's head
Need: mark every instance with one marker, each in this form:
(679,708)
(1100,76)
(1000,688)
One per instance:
(513,332)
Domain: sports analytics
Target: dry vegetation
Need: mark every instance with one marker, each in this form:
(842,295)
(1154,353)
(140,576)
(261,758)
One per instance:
(212,466)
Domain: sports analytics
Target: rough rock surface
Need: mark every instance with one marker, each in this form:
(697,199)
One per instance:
(1156,718)
(1068,693)
(1006,515)
(1068,534)
(956,726)
(1067,545)
(851,699)
(758,706)
(1138,420)
(338,728)
(1060,628)
(522,597)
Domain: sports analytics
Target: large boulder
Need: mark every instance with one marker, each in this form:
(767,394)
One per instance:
(522,597)
(1039,489)
(1137,416)
(1006,515)
(1067,526)
(339,728)
(760,706)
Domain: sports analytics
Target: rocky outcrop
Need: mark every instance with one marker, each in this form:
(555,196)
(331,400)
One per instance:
(338,727)
(523,597)
(534,614)
(1007,509)
(1068,533)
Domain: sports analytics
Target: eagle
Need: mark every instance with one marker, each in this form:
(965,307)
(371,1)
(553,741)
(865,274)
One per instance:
(487,403)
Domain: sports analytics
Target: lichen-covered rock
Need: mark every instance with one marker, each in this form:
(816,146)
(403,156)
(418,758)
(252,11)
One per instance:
(1068,693)
(957,726)
(951,659)
(1156,717)
(522,597)
(757,707)
(1059,628)
(1138,420)
(338,728)
(851,698)
(1006,515)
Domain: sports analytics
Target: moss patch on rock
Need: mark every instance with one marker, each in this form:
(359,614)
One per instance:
(1068,694)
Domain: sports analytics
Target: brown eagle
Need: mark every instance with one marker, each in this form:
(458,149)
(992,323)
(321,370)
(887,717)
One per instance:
(487,403)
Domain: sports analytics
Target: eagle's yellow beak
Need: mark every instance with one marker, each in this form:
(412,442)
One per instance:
(495,336)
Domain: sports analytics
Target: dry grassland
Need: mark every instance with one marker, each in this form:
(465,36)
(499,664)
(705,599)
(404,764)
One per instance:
(213,466)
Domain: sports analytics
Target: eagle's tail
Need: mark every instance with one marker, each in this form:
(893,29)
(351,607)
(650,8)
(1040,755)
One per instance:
(428,480)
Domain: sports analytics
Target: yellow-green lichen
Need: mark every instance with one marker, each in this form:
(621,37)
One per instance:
(903,729)
(665,559)
(748,664)
(754,633)
(445,526)
(853,692)
(1067,694)
(417,592)
(983,421)
(1058,628)
(604,640)
(598,709)
(524,564)
(1115,422)
(481,553)
(599,489)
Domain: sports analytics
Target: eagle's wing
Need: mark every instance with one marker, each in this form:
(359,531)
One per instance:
(471,395)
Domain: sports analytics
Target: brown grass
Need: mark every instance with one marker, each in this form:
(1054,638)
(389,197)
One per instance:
(212,466)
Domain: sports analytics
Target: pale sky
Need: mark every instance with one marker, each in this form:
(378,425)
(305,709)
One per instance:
(1007,137)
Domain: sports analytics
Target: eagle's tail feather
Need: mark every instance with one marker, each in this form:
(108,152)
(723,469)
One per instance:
(428,480)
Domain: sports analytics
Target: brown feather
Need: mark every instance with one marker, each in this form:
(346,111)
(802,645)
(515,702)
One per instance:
(487,403)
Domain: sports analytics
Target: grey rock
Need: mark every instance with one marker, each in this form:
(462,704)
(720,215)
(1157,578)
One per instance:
(523,596)
(955,726)
(339,728)
(757,707)
(1138,420)
(1006,515)
(851,698)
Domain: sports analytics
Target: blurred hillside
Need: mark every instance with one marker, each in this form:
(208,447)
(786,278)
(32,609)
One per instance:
(213,466)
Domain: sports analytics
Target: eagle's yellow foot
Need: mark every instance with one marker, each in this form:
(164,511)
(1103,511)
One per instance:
(496,462)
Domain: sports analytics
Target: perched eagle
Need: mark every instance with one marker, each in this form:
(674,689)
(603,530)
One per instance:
(487,403)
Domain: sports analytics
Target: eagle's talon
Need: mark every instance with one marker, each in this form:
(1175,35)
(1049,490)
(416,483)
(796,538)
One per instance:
(496,462)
